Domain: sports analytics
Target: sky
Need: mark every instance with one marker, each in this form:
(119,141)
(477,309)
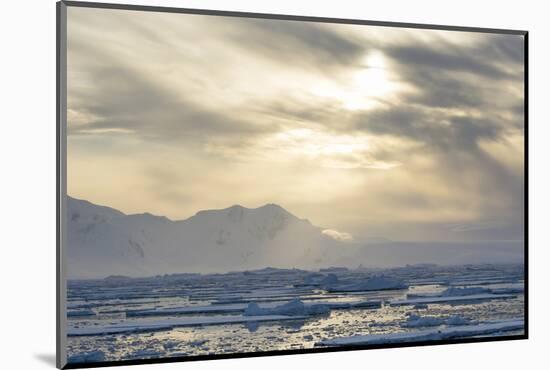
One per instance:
(371,132)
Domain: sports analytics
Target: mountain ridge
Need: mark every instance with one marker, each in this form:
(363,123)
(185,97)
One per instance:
(228,238)
(103,241)
(234,206)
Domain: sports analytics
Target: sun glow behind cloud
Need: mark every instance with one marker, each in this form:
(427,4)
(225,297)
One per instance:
(365,87)
(327,149)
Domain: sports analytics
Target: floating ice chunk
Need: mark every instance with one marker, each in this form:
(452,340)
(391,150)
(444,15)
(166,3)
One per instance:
(137,326)
(511,290)
(317,309)
(145,353)
(198,343)
(415,321)
(170,344)
(374,283)
(221,308)
(293,308)
(334,269)
(310,280)
(457,320)
(266,308)
(94,356)
(476,298)
(428,334)
(330,279)
(253,309)
(80,313)
(297,307)
(456,291)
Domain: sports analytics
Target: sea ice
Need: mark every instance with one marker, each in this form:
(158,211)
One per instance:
(451,299)
(457,291)
(80,313)
(271,308)
(293,308)
(428,334)
(136,326)
(94,356)
(374,283)
(416,321)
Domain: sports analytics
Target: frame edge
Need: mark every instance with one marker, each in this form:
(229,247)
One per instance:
(288,17)
(61,122)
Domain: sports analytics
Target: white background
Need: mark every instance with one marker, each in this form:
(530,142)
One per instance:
(27,154)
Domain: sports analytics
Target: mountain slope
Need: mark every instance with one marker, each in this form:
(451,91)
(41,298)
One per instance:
(103,241)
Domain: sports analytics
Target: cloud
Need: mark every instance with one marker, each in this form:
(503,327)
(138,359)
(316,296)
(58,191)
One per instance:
(303,44)
(375,130)
(124,100)
(338,235)
(446,58)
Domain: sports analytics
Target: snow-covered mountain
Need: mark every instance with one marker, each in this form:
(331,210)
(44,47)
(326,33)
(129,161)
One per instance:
(103,241)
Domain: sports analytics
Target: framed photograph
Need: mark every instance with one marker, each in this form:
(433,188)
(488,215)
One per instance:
(238,184)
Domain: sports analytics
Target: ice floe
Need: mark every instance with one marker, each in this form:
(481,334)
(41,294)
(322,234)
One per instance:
(451,299)
(416,321)
(80,313)
(293,307)
(457,291)
(428,334)
(136,326)
(371,284)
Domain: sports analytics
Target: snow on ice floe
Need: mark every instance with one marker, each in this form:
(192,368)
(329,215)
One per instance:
(451,299)
(459,292)
(136,326)
(292,308)
(371,284)
(416,321)
(455,291)
(450,332)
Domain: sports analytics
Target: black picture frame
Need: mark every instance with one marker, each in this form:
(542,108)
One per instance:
(61,124)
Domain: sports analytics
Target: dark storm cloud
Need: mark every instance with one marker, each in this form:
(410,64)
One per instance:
(451,76)
(445,58)
(434,129)
(306,44)
(490,58)
(441,90)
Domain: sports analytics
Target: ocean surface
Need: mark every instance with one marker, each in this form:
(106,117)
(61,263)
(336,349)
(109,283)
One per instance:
(181,315)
